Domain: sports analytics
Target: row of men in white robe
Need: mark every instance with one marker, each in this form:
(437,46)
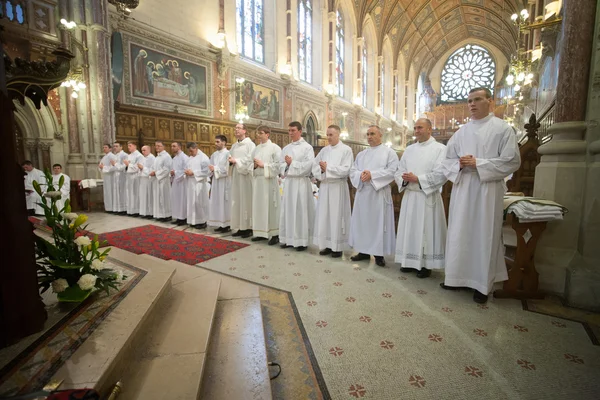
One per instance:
(32,198)
(165,187)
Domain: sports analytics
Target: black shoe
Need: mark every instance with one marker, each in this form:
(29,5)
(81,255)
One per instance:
(479,297)
(407,270)
(336,254)
(225,229)
(424,273)
(274,240)
(380,261)
(285,246)
(247,233)
(199,226)
(238,233)
(175,222)
(136,215)
(360,257)
(257,239)
(325,252)
(219,229)
(300,248)
(445,287)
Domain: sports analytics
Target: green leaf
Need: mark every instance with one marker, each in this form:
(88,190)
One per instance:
(74,294)
(47,248)
(64,265)
(61,182)
(37,188)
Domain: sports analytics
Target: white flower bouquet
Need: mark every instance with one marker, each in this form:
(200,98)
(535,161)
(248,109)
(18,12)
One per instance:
(72,264)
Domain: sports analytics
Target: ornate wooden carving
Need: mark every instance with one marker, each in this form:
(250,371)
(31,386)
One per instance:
(522,180)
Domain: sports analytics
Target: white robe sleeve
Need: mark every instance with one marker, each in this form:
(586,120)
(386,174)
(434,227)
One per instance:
(434,180)
(201,171)
(272,167)
(450,167)
(508,161)
(316,168)
(342,170)
(65,190)
(120,166)
(402,169)
(222,167)
(382,177)
(164,169)
(302,167)
(245,165)
(355,172)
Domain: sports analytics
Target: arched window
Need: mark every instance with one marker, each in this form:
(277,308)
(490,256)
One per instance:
(13,11)
(468,67)
(250,29)
(305,40)
(310,130)
(382,87)
(364,76)
(339,53)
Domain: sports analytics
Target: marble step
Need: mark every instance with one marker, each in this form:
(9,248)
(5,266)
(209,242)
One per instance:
(105,356)
(171,363)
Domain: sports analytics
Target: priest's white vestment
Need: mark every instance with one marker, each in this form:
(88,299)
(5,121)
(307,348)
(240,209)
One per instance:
(332,219)
(161,185)
(219,212)
(178,187)
(474,248)
(146,190)
(422,229)
(133,182)
(197,188)
(33,199)
(241,185)
(108,181)
(372,228)
(298,204)
(119,183)
(65,189)
(265,192)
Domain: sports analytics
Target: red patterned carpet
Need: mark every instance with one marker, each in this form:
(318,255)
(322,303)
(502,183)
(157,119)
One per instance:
(170,244)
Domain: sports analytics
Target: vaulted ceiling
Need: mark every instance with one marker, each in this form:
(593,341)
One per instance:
(423,30)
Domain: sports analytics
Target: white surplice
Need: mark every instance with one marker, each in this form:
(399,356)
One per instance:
(422,229)
(197,188)
(65,189)
(146,190)
(178,187)
(161,185)
(266,198)
(332,219)
(298,204)
(32,198)
(219,212)
(119,183)
(241,185)
(108,181)
(372,224)
(133,182)
(474,248)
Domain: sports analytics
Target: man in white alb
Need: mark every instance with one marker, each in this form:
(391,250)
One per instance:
(372,225)
(178,188)
(332,221)
(219,212)
(161,183)
(241,162)
(33,199)
(65,189)
(146,190)
(422,223)
(265,190)
(133,179)
(478,158)
(197,187)
(298,206)
(119,179)
(108,178)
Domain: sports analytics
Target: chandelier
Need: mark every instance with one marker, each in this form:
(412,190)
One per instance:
(520,74)
(75,81)
(124,7)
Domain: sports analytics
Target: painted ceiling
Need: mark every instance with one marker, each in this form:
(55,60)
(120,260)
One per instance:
(423,30)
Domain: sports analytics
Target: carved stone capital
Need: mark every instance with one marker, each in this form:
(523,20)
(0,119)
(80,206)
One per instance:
(31,144)
(45,145)
(58,135)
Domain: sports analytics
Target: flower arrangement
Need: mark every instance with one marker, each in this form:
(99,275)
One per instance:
(72,264)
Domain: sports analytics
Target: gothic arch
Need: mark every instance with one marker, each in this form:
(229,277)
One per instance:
(311,127)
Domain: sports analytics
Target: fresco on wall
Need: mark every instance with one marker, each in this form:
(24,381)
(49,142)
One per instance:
(262,102)
(158,76)
(117,64)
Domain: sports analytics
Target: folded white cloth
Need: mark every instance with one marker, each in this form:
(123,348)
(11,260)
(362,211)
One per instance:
(529,209)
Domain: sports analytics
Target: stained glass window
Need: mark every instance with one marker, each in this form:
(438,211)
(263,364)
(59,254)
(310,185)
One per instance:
(468,67)
(250,29)
(364,76)
(305,40)
(339,54)
(13,11)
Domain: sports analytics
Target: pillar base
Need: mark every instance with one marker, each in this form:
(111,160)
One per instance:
(582,285)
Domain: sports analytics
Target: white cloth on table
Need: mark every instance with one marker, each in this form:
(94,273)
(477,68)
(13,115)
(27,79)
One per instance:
(219,212)
(265,191)
(197,188)
(333,212)
(133,182)
(241,185)
(146,191)
(421,237)
(161,185)
(178,187)
(530,209)
(476,202)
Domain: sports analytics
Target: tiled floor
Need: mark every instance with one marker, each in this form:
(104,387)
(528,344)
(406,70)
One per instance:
(381,334)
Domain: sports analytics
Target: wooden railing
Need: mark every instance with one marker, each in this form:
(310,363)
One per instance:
(547,118)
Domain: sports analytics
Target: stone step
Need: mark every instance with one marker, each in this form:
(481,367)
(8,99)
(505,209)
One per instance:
(236,367)
(171,363)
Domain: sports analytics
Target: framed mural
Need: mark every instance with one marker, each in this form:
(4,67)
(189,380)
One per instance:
(263,103)
(165,78)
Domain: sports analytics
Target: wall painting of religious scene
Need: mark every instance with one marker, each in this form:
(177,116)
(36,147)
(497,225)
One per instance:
(167,79)
(263,103)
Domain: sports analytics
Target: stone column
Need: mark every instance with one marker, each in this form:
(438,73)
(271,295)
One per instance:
(46,160)
(564,172)
(395,95)
(360,42)
(331,60)
(32,146)
(380,77)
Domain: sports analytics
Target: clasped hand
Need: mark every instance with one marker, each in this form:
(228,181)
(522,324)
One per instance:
(410,177)
(468,161)
(258,163)
(188,172)
(232,160)
(365,176)
(323,165)
(288,160)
